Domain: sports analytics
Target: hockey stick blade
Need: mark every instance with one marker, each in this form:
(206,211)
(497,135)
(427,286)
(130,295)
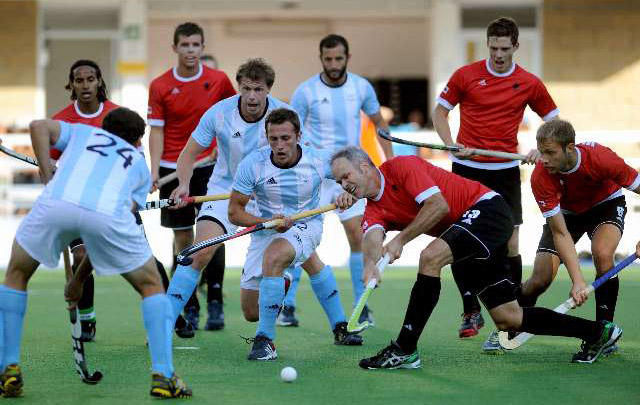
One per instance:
(353,325)
(78,352)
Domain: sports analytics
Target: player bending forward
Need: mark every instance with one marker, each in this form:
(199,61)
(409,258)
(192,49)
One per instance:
(284,178)
(471,223)
(100,177)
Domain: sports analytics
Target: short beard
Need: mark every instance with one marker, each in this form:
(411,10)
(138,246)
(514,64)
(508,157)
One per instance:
(343,73)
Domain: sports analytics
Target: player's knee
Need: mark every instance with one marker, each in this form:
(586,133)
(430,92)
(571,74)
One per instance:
(250,312)
(602,259)
(79,253)
(538,284)
(429,264)
(202,257)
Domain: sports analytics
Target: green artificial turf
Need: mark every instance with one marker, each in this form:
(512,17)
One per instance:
(455,371)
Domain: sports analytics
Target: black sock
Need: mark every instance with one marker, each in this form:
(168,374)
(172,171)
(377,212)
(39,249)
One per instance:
(163,274)
(543,321)
(515,264)
(214,274)
(606,299)
(424,297)
(523,300)
(86,300)
(462,277)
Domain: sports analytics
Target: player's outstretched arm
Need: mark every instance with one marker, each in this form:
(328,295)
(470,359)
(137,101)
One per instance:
(156,147)
(372,252)
(185,170)
(44,133)
(238,214)
(441,125)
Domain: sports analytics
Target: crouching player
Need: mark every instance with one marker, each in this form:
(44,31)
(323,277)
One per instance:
(100,176)
(284,178)
(579,190)
(471,222)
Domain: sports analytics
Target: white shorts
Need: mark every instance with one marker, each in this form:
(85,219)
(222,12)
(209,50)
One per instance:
(328,193)
(115,244)
(304,237)
(219,210)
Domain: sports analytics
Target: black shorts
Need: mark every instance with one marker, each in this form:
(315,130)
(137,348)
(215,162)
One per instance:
(608,212)
(184,217)
(505,182)
(479,240)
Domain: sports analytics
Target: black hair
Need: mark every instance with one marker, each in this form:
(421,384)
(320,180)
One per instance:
(333,40)
(280,116)
(102,90)
(125,123)
(187,29)
(503,27)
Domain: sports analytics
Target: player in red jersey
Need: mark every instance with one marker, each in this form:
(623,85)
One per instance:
(579,190)
(472,223)
(492,94)
(177,100)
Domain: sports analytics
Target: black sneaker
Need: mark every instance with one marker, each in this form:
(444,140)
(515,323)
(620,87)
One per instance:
(392,357)
(366,315)
(471,323)
(263,349)
(589,352)
(11,381)
(183,328)
(164,387)
(192,315)
(88,331)
(287,317)
(343,338)
(215,321)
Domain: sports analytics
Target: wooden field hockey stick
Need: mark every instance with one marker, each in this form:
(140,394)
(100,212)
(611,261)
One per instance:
(20,156)
(76,333)
(521,338)
(353,325)
(172,176)
(184,259)
(168,202)
(480,152)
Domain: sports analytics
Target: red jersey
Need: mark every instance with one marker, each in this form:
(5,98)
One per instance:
(407,181)
(492,105)
(598,176)
(73,115)
(177,103)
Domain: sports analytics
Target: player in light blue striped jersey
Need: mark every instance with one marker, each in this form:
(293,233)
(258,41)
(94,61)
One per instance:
(330,104)
(284,178)
(101,177)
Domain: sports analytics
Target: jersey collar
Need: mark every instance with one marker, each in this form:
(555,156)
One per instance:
(577,166)
(505,74)
(379,196)
(331,86)
(188,79)
(83,115)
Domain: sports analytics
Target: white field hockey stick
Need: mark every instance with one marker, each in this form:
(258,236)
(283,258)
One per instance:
(184,259)
(24,158)
(521,338)
(76,333)
(168,202)
(353,325)
(480,152)
(172,176)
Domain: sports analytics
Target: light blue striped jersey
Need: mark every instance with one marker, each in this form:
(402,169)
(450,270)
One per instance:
(98,171)
(236,137)
(283,191)
(331,115)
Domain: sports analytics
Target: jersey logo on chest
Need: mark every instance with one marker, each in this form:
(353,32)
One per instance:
(237,135)
(272,181)
(175,91)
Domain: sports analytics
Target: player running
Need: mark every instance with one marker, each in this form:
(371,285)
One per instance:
(100,178)
(284,178)
(329,105)
(579,190)
(493,94)
(177,100)
(471,223)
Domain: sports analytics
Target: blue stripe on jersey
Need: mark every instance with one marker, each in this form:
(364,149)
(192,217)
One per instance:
(91,196)
(341,128)
(70,161)
(289,183)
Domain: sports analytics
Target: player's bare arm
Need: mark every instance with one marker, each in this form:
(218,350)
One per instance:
(238,214)
(372,252)
(567,252)
(441,125)
(433,210)
(44,133)
(156,147)
(380,123)
(345,200)
(185,170)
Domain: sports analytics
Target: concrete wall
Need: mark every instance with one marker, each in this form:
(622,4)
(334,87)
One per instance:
(18,37)
(592,61)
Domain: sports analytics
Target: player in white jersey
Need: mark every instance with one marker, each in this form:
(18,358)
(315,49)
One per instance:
(237,123)
(284,178)
(329,105)
(100,178)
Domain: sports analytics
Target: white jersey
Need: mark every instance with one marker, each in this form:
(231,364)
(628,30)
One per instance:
(331,115)
(283,191)
(236,137)
(98,171)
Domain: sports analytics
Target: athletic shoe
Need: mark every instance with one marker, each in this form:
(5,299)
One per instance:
(392,357)
(183,328)
(610,351)
(11,381)
(492,344)
(471,323)
(287,317)
(173,387)
(215,321)
(263,349)
(343,338)
(192,315)
(589,352)
(88,331)
(366,315)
